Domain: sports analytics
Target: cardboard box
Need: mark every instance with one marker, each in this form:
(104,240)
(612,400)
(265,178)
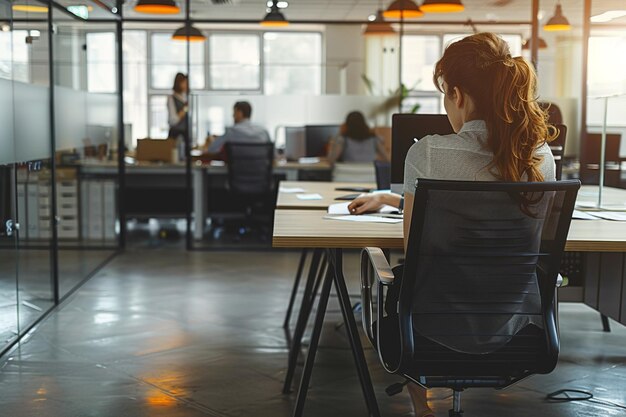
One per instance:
(155,150)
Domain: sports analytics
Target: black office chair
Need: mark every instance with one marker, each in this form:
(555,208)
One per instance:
(476,300)
(557,146)
(251,180)
(383,175)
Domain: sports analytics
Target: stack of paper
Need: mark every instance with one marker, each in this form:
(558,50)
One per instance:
(342,208)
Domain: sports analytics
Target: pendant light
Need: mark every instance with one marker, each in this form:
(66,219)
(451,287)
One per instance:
(29,8)
(157,7)
(558,22)
(274,18)
(542,44)
(442,6)
(188,32)
(379,26)
(403,9)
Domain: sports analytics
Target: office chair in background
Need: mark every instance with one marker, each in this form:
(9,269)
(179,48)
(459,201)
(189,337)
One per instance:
(557,146)
(476,299)
(251,183)
(383,175)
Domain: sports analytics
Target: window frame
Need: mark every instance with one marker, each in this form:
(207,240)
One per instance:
(208,87)
(436,94)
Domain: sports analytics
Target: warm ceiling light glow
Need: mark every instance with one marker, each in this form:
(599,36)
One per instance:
(29,8)
(281,4)
(379,26)
(157,7)
(558,22)
(442,6)
(542,44)
(608,16)
(403,9)
(275,18)
(188,33)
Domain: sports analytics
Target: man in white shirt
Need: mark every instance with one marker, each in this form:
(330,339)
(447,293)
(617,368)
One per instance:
(243,131)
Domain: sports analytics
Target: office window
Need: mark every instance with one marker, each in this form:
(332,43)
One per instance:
(170,56)
(235,62)
(419,55)
(607,60)
(159,128)
(514,41)
(101,69)
(14,56)
(293,63)
(135,85)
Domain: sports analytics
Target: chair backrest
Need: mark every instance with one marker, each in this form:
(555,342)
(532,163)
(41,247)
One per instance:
(250,167)
(557,146)
(482,263)
(383,175)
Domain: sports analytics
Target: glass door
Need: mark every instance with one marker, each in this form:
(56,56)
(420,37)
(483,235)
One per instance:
(33,163)
(8,224)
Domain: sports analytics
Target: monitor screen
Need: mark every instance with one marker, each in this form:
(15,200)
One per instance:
(405,130)
(317,138)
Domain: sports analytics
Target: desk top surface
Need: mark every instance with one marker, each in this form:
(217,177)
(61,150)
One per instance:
(157,167)
(308,228)
(326,189)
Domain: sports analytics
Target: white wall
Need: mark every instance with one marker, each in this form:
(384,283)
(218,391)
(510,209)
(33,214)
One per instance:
(345,59)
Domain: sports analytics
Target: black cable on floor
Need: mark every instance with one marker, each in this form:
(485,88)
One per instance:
(564,395)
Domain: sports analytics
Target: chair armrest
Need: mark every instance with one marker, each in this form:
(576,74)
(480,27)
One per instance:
(375,271)
(382,269)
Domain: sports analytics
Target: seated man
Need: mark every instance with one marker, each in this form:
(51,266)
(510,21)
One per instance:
(243,131)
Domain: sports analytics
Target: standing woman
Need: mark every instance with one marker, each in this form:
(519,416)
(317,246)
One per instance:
(356,142)
(177,107)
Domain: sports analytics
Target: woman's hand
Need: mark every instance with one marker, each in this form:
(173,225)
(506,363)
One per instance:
(370,203)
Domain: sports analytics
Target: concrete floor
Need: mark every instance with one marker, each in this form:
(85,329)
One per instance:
(171,333)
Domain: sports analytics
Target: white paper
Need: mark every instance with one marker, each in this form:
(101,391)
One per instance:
(291,190)
(586,204)
(308,160)
(582,215)
(611,215)
(309,197)
(365,218)
(342,208)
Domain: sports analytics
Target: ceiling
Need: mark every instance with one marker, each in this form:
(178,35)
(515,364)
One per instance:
(359,10)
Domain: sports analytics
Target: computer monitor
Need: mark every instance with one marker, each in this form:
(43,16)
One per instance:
(295,143)
(406,129)
(317,138)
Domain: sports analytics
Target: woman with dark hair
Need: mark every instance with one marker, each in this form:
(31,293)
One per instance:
(356,142)
(177,107)
(502,134)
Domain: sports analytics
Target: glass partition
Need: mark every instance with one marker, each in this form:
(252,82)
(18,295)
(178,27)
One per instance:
(25,174)
(8,235)
(86,132)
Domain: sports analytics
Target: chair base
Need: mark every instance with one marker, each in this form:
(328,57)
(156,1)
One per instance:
(456,404)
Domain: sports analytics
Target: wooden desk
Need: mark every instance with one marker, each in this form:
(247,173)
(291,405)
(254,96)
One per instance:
(152,176)
(602,243)
(325,189)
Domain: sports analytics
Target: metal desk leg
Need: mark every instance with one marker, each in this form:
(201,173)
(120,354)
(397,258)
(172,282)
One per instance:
(315,337)
(303,318)
(294,290)
(606,326)
(336,259)
(199,202)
